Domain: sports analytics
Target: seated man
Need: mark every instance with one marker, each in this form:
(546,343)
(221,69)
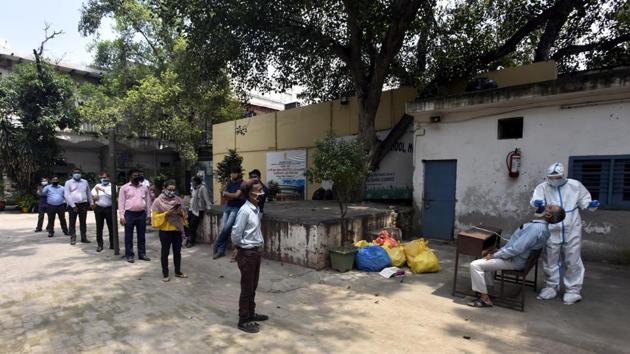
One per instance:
(529,237)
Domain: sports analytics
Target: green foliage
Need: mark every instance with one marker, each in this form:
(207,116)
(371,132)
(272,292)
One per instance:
(232,159)
(341,161)
(151,86)
(345,164)
(35,101)
(27,202)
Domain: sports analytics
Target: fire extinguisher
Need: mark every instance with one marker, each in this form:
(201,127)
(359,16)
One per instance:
(513,162)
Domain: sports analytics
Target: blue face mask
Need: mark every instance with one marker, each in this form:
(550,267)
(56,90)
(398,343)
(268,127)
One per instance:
(76,176)
(104,182)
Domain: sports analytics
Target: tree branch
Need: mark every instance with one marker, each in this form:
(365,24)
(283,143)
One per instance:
(403,12)
(552,29)
(47,37)
(533,24)
(602,45)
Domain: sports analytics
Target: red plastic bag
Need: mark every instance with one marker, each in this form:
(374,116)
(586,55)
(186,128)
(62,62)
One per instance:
(385,239)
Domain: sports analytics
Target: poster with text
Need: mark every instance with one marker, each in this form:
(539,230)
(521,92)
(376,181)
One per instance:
(286,168)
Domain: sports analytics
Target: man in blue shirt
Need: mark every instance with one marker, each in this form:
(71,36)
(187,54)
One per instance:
(234,196)
(56,202)
(529,237)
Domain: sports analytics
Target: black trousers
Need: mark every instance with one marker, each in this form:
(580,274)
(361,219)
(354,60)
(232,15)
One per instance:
(103,215)
(52,211)
(137,220)
(170,239)
(40,217)
(249,264)
(81,212)
(193,225)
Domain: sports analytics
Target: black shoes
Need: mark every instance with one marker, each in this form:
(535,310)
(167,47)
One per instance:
(218,255)
(50,235)
(85,240)
(73,240)
(130,259)
(99,248)
(144,258)
(249,327)
(38,230)
(258,317)
(66,233)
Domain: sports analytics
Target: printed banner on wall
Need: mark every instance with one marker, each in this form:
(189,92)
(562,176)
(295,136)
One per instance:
(287,169)
(394,178)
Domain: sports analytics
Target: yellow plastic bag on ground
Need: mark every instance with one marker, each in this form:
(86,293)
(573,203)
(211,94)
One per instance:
(415,247)
(424,262)
(362,243)
(397,255)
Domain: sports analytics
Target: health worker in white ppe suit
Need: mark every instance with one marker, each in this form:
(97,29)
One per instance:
(562,257)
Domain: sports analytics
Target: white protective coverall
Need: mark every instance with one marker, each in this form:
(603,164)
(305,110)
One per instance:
(562,252)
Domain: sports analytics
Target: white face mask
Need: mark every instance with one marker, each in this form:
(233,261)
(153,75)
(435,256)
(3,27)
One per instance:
(44,183)
(556,182)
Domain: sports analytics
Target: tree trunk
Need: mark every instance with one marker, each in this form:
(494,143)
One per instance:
(368,106)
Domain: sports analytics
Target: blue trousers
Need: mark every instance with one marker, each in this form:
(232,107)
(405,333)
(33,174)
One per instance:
(137,219)
(229,216)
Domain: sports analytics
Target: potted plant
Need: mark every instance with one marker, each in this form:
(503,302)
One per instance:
(342,258)
(27,203)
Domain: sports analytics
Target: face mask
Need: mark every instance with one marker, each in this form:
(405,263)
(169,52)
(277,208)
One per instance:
(44,183)
(557,182)
(55,183)
(104,182)
(258,196)
(141,178)
(135,180)
(169,194)
(76,176)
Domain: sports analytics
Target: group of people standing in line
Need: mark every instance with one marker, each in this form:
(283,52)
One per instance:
(139,205)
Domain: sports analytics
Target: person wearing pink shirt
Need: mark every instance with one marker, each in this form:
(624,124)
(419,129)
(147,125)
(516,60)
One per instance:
(134,209)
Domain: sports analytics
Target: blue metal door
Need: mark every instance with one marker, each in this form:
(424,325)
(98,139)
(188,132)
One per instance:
(438,210)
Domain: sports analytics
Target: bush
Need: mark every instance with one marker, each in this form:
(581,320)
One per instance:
(232,159)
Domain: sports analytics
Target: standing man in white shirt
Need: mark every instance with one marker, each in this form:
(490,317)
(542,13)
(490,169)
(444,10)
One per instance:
(78,198)
(102,196)
(248,239)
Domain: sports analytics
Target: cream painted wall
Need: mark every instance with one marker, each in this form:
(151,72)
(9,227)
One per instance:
(300,128)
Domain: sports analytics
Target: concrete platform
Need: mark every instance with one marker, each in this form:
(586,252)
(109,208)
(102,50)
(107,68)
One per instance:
(57,298)
(302,232)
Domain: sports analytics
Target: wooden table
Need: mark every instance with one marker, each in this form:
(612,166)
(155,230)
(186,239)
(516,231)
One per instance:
(473,242)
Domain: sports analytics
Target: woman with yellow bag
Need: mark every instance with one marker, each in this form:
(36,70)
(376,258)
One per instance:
(169,217)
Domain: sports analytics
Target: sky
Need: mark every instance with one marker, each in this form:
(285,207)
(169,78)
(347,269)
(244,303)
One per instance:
(22,23)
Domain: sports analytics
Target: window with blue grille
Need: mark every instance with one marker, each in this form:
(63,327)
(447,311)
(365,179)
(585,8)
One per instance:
(606,177)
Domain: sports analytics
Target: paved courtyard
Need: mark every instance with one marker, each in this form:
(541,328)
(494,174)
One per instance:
(57,298)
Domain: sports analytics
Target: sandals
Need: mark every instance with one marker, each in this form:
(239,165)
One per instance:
(181,275)
(166,279)
(479,303)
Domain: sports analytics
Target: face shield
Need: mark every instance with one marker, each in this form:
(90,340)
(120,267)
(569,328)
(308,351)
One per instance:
(555,175)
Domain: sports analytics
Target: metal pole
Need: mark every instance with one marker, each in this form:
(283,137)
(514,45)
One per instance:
(114,175)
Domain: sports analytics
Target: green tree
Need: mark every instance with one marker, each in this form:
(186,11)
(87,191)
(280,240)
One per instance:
(224,168)
(342,162)
(331,47)
(151,86)
(35,102)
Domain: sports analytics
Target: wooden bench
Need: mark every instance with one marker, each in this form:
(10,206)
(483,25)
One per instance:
(518,277)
